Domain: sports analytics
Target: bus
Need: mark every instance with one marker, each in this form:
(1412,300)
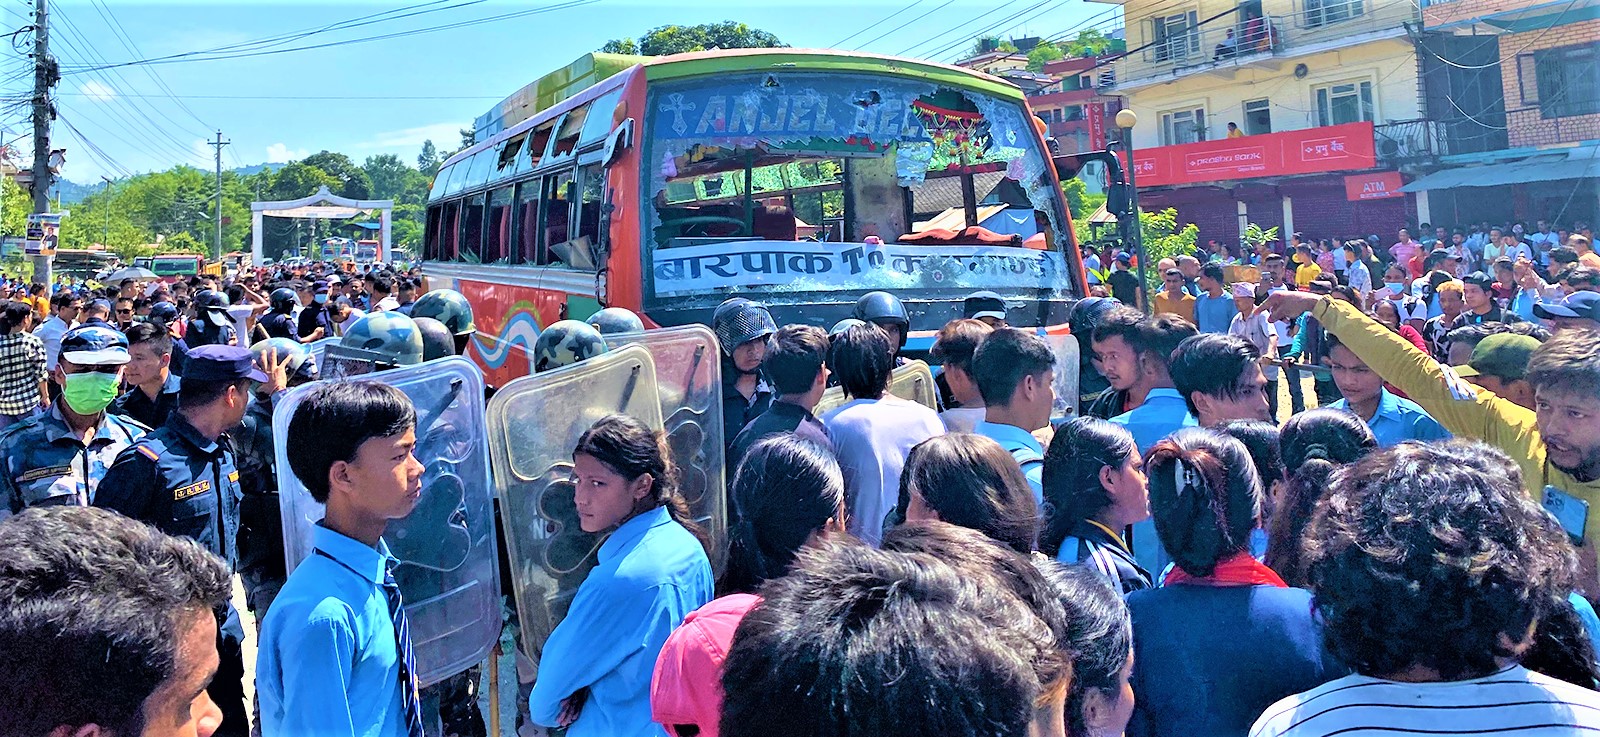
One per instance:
(800,178)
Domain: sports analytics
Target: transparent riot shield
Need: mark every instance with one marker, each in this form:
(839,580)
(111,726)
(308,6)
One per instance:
(533,424)
(912,381)
(1068,356)
(319,349)
(689,376)
(449,570)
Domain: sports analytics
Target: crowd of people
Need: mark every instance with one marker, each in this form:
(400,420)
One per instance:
(1412,555)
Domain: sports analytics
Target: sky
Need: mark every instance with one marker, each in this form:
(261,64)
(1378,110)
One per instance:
(389,95)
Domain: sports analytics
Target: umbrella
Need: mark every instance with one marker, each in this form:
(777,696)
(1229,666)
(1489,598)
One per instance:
(131,272)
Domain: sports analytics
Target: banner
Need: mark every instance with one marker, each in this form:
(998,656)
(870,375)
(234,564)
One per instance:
(806,266)
(1097,125)
(1344,147)
(43,230)
(1375,186)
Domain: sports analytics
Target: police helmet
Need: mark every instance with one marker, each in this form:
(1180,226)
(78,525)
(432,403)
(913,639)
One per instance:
(213,305)
(739,321)
(1087,314)
(616,320)
(390,334)
(883,307)
(437,342)
(283,300)
(566,342)
(447,306)
(843,325)
(302,364)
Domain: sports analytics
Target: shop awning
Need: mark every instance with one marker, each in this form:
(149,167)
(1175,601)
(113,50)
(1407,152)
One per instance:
(1580,164)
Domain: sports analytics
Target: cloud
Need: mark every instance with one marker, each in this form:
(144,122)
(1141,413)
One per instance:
(445,135)
(97,91)
(279,153)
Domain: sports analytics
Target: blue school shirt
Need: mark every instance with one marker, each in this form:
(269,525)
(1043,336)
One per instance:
(1163,413)
(1214,314)
(1398,420)
(651,574)
(1022,446)
(328,664)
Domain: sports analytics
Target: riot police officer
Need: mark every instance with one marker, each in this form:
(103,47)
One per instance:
(61,456)
(152,394)
(182,480)
(210,325)
(287,364)
(451,308)
(888,312)
(612,320)
(566,342)
(279,323)
(742,327)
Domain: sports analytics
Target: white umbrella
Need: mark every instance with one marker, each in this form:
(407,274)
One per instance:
(130,272)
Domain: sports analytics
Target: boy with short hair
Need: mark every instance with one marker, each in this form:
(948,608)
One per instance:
(335,655)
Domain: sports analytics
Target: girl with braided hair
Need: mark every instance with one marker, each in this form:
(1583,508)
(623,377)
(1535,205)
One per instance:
(1314,444)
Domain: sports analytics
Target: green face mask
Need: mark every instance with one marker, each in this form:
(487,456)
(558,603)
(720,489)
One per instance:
(90,392)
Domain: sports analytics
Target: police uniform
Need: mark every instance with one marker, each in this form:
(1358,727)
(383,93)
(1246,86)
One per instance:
(44,462)
(204,332)
(137,405)
(279,325)
(261,554)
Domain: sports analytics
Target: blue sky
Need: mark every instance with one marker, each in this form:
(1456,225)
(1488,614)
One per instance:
(387,96)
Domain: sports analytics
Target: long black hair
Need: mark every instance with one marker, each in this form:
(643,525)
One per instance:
(1314,444)
(631,449)
(1205,496)
(12,315)
(1082,446)
(1261,439)
(786,489)
(971,481)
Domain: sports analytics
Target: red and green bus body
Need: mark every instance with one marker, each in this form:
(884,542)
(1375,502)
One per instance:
(802,179)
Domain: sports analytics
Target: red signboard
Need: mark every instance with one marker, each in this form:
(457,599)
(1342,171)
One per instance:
(1311,151)
(1375,186)
(1097,125)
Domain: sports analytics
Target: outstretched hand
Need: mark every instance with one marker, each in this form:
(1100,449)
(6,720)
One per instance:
(277,371)
(1286,306)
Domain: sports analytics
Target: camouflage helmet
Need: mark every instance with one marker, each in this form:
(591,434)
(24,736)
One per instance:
(739,321)
(447,306)
(844,325)
(616,320)
(390,334)
(302,364)
(437,342)
(566,342)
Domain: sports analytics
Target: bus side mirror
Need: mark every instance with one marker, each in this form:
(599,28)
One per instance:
(1117,199)
(1067,167)
(620,140)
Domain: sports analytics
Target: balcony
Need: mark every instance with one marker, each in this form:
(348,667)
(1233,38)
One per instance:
(1223,45)
(1409,143)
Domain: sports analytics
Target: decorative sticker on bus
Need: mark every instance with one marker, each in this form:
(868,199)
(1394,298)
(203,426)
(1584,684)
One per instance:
(808,267)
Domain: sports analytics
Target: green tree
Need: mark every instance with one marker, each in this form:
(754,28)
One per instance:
(1164,239)
(673,39)
(1043,54)
(393,180)
(1089,42)
(182,243)
(300,179)
(429,160)
(14,207)
(352,180)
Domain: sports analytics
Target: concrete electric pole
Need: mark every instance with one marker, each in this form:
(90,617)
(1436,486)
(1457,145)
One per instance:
(45,75)
(219,143)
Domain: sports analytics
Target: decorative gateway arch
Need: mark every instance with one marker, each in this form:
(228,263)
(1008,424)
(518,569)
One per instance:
(323,205)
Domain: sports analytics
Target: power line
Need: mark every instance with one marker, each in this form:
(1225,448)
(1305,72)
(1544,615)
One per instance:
(300,97)
(879,23)
(133,48)
(1000,27)
(932,40)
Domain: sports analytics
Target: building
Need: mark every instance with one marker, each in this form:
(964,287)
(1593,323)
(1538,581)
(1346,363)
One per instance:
(1075,104)
(1275,112)
(1516,84)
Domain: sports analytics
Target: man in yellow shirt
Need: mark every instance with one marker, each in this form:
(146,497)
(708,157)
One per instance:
(1172,300)
(1556,444)
(1307,270)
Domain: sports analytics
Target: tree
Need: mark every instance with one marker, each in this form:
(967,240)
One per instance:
(1089,42)
(351,180)
(429,160)
(182,243)
(1164,239)
(1043,54)
(393,180)
(15,208)
(674,39)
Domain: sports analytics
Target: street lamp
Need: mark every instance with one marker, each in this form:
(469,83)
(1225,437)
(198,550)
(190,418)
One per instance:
(105,237)
(1132,233)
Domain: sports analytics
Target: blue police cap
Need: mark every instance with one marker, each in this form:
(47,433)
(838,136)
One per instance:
(164,312)
(95,345)
(220,363)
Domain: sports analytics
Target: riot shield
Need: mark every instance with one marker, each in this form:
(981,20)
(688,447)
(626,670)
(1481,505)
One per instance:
(689,376)
(319,349)
(449,571)
(533,424)
(1068,356)
(912,381)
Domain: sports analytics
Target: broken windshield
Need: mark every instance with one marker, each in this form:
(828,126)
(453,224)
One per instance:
(800,182)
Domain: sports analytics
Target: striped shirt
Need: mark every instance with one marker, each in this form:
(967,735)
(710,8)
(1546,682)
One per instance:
(21,369)
(1515,701)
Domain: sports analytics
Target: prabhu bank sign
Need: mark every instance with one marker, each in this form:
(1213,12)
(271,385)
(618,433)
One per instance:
(1345,147)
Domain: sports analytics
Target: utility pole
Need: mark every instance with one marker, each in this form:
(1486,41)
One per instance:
(219,143)
(45,75)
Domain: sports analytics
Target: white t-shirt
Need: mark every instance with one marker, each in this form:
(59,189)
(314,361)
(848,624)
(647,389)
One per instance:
(872,438)
(349,322)
(1255,330)
(1515,701)
(963,419)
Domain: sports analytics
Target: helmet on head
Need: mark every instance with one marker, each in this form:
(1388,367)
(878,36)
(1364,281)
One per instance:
(211,305)
(302,364)
(616,320)
(566,342)
(283,300)
(447,306)
(844,325)
(392,335)
(883,307)
(739,321)
(437,342)
(1087,314)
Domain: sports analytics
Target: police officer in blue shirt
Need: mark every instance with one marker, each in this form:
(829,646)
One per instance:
(60,457)
(210,325)
(181,479)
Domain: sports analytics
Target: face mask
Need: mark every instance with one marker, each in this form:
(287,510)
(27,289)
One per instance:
(321,299)
(1395,287)
(90,392)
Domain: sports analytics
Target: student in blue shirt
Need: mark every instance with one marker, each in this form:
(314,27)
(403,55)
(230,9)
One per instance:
(1163,410)
(594,674)
(335,657)
(1015,374)
(1095,484)
(1214,307)
(1393,419)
